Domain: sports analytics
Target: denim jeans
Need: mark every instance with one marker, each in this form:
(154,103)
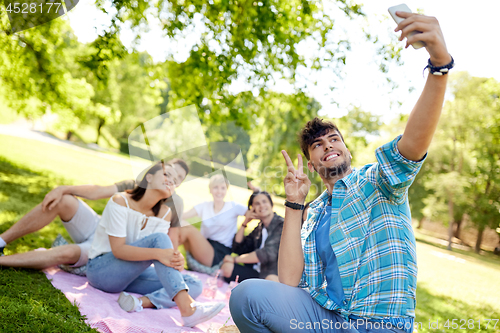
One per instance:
(159,284)
(266,306)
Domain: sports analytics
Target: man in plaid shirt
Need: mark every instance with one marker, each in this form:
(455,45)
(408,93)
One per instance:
(354,259)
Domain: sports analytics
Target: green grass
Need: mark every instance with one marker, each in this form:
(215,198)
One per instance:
(78,166)
(28,302)
(451,285)
(86,134)
(21,189)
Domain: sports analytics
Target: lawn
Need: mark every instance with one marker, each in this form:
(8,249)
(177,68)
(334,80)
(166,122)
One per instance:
(451,285)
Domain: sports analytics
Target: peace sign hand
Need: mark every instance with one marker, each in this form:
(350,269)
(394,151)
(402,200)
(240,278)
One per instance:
(296,182)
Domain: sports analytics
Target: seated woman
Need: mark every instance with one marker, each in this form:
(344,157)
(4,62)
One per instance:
(127,242)
(209,245)
(80,222)
(258,250)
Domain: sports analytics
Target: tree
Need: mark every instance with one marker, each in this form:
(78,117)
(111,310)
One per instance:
(34,70)
(465,153)
(359,129)
(278,118)
(251,40)
(130,86)
(254,41)
(486,148)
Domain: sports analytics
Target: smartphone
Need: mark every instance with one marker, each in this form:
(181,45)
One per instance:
(404,8)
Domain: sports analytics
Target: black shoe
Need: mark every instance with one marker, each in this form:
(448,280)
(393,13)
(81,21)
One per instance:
(1,251)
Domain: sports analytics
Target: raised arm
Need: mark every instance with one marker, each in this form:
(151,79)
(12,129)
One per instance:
(424,117)
(291,257)
(189,214)
(91,192)
(249,216)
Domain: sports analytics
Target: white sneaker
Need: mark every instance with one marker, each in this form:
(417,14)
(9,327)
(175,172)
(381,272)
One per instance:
(129,303)
(203,312)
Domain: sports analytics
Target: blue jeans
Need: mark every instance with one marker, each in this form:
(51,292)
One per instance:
(266,306)
(159,284)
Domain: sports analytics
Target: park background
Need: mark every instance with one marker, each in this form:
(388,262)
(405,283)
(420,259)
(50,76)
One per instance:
(255,72)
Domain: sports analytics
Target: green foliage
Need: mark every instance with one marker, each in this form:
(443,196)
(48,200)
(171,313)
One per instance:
(252,41)
(229,132)
(278,118)
(246,40)
(140,85)
(104,85)
(33,68)
(357,127)
(101,54)
(261,34)
(46,69)
(463,173)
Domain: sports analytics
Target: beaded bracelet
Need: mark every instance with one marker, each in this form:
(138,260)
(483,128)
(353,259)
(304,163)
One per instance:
(439,70)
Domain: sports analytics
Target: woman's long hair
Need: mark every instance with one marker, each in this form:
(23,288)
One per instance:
(138,192)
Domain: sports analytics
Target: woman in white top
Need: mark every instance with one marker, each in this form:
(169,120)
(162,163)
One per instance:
(213,242)
(130,237)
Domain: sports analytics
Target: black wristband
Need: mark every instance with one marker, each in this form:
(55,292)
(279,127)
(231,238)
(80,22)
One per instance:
(439,70)
(294,205)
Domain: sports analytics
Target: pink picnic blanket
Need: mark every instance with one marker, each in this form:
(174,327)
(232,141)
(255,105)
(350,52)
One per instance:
(104,313)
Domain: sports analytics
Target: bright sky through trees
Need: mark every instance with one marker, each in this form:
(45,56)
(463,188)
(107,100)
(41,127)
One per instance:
(469,30)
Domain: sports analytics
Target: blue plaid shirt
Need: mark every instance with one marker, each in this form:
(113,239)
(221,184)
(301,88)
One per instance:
(372,237)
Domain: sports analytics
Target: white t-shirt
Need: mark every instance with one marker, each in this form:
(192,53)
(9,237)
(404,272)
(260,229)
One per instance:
(264,237)
(120,221)
(220,227)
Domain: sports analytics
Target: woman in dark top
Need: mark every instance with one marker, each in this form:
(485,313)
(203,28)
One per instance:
(258,251)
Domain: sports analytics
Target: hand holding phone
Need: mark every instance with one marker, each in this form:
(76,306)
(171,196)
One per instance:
(404,8)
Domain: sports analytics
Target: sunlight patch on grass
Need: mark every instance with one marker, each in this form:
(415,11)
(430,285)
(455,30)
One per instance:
(463,288)
(79,166)
(29,303)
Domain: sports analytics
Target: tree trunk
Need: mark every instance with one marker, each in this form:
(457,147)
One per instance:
(451,220)
(420,222)
(101,124)
(479,240)
(457,229)
(69,134)
(451,216)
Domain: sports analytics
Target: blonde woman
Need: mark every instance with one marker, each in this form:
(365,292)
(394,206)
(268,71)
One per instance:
(214,240)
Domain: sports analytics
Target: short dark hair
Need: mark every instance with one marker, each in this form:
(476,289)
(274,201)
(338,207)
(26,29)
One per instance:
(313,130)
(181,162)
(254,194)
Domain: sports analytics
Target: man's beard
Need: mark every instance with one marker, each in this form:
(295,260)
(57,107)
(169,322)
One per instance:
(335,171)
